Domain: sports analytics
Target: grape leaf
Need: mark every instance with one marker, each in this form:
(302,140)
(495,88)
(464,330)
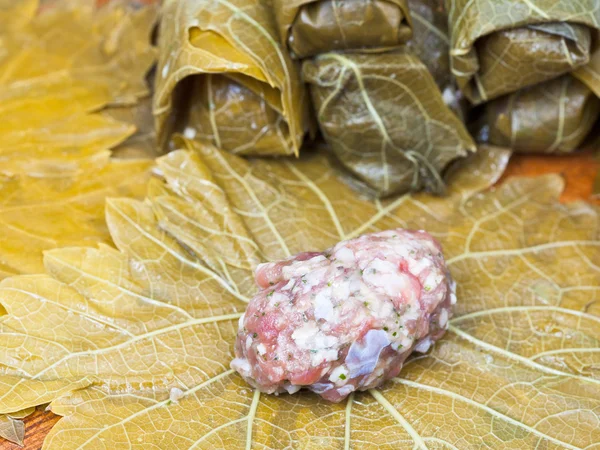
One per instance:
(132,346)
(12,427)
(61,204)
(60,67)
(56,69)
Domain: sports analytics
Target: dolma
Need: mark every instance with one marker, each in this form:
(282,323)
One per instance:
(551,117)
(310,27)
(501,46)
(222,76)
(385,119)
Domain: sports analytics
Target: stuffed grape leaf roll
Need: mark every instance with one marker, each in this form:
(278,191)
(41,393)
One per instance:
(551,117)
(385,119)
(501,46)
(223,77)
(310,27)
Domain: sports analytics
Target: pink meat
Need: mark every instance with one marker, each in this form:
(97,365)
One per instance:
(347,318)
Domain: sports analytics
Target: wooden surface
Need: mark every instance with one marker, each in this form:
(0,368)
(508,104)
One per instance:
(578,170)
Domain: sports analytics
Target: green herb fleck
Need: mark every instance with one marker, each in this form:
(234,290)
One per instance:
(329,284)
(314,351)
(362,272)
(427,288)
(366,303)
(277,305)
(342,376)
(271,283)
(385,328)
(373,270)
(255,335)
(394,334)
(270,294)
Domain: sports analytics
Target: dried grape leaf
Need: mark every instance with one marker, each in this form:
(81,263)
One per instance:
(67,62)
(56,70)
(146,331)
(500,46)
(258,97)
(12,427)
(50,205)
(13,430)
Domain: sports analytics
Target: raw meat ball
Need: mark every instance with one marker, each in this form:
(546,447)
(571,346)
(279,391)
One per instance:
(347,318)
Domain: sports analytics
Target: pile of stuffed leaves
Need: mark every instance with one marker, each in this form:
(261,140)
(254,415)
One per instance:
(389,116)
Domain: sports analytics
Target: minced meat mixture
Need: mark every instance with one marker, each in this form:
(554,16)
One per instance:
(347,318)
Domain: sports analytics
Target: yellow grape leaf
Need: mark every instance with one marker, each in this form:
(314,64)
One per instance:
(132,345)
(55,205)
(63,64)
(16,14)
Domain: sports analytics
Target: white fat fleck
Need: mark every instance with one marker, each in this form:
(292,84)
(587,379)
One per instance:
(194,23)
(443,319)
(292,388)
(423,345)
(387,276)
(344,255)
(242,366)
(189,132)
(288,286)
(165,70)
(314,278)
(277,298)
(300,268)
(416,266)
(339,375)
(304,334)
(261,349)
(241,321)
(323,305)
(248,342)
(175,394)
(433,280)
(322,356)
(453,292)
